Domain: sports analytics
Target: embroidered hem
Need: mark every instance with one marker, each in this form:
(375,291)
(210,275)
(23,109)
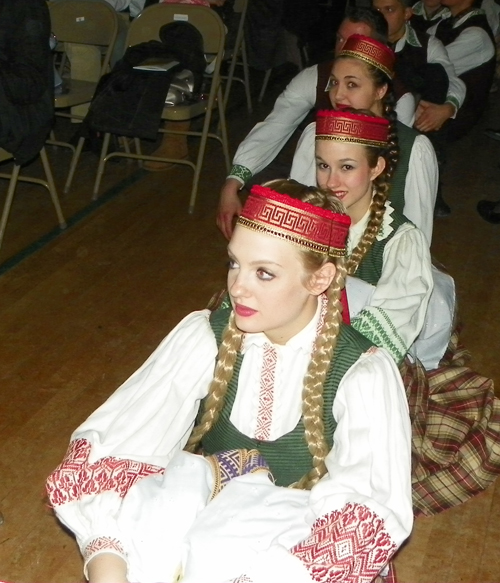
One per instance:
(102,544)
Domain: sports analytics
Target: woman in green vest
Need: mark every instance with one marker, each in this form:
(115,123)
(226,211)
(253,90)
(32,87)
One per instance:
(385,250)
(303,425)
(361,78)
(389,302)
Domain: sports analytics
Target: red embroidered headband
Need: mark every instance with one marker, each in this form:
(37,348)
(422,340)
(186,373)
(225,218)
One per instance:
(343,126)
(301,223)
(370,51)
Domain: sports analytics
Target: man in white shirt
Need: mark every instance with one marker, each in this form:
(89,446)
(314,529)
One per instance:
(419,52)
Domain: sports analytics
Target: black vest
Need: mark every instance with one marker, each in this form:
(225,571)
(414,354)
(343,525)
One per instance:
(477,81)
(415,75)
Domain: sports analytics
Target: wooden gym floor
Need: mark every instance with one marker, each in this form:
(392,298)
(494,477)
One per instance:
(81,310)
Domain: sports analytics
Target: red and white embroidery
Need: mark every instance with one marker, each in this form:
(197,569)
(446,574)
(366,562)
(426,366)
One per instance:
(266,395)
(350,545)
(103,543)
(74,477)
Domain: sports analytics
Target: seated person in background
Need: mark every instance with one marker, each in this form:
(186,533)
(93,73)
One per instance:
(144,508)
(361,78)
(26,78)
(353,162)
(305,92)
(470,45)
(426,13)
(422,63)
(386,252)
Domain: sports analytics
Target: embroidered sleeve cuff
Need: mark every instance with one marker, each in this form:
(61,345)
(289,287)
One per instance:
(102,544)
(240,173)
(350,545)
(375,325)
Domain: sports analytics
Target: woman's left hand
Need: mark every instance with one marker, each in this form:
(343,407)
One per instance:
(429,117)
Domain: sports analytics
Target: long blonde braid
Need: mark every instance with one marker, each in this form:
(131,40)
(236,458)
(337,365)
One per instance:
(312,394)
(314,379)
(228,351)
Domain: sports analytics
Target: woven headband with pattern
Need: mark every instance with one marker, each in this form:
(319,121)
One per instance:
(355,128)
(370,51)
(301,223)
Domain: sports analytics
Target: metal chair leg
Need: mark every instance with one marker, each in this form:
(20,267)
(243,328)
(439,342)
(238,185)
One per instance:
(100,168)
(8,201)
(52,187)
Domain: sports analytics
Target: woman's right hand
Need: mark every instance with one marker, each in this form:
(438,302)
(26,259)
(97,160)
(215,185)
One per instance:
(229,206)
(107,568)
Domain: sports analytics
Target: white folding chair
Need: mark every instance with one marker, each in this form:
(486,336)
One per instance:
(85,22)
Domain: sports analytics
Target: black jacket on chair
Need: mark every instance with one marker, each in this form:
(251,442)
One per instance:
(26,77)
(129,102)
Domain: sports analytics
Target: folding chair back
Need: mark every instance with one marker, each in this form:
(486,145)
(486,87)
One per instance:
(147,27)
(88,22)
(81,22)
(238,56)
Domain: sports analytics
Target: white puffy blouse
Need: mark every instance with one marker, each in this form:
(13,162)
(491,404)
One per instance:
(127,487)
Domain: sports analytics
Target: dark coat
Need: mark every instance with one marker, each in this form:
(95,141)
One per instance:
(129,102)
(26,77)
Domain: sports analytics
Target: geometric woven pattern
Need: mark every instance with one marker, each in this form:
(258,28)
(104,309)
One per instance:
(230,464)
(75,478)
(266,394)
(301,223)
(370,51)
(349,545)
(345,126)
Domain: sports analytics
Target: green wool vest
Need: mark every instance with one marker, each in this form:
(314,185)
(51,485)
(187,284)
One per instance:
(370,268)
(406,138)
(288,457)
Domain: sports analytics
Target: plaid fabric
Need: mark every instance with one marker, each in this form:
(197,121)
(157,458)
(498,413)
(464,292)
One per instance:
(455,419)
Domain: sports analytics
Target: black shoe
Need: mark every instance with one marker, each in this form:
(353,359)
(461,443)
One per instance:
(492,133)
(441,209)
(486,209)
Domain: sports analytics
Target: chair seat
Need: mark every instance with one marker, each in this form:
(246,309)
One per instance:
(185,112)
(78,92)
(4,155)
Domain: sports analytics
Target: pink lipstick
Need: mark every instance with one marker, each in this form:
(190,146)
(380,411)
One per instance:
(244,311)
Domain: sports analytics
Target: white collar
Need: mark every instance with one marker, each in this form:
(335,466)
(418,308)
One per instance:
(410,37)
(356,231)
(465,17)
